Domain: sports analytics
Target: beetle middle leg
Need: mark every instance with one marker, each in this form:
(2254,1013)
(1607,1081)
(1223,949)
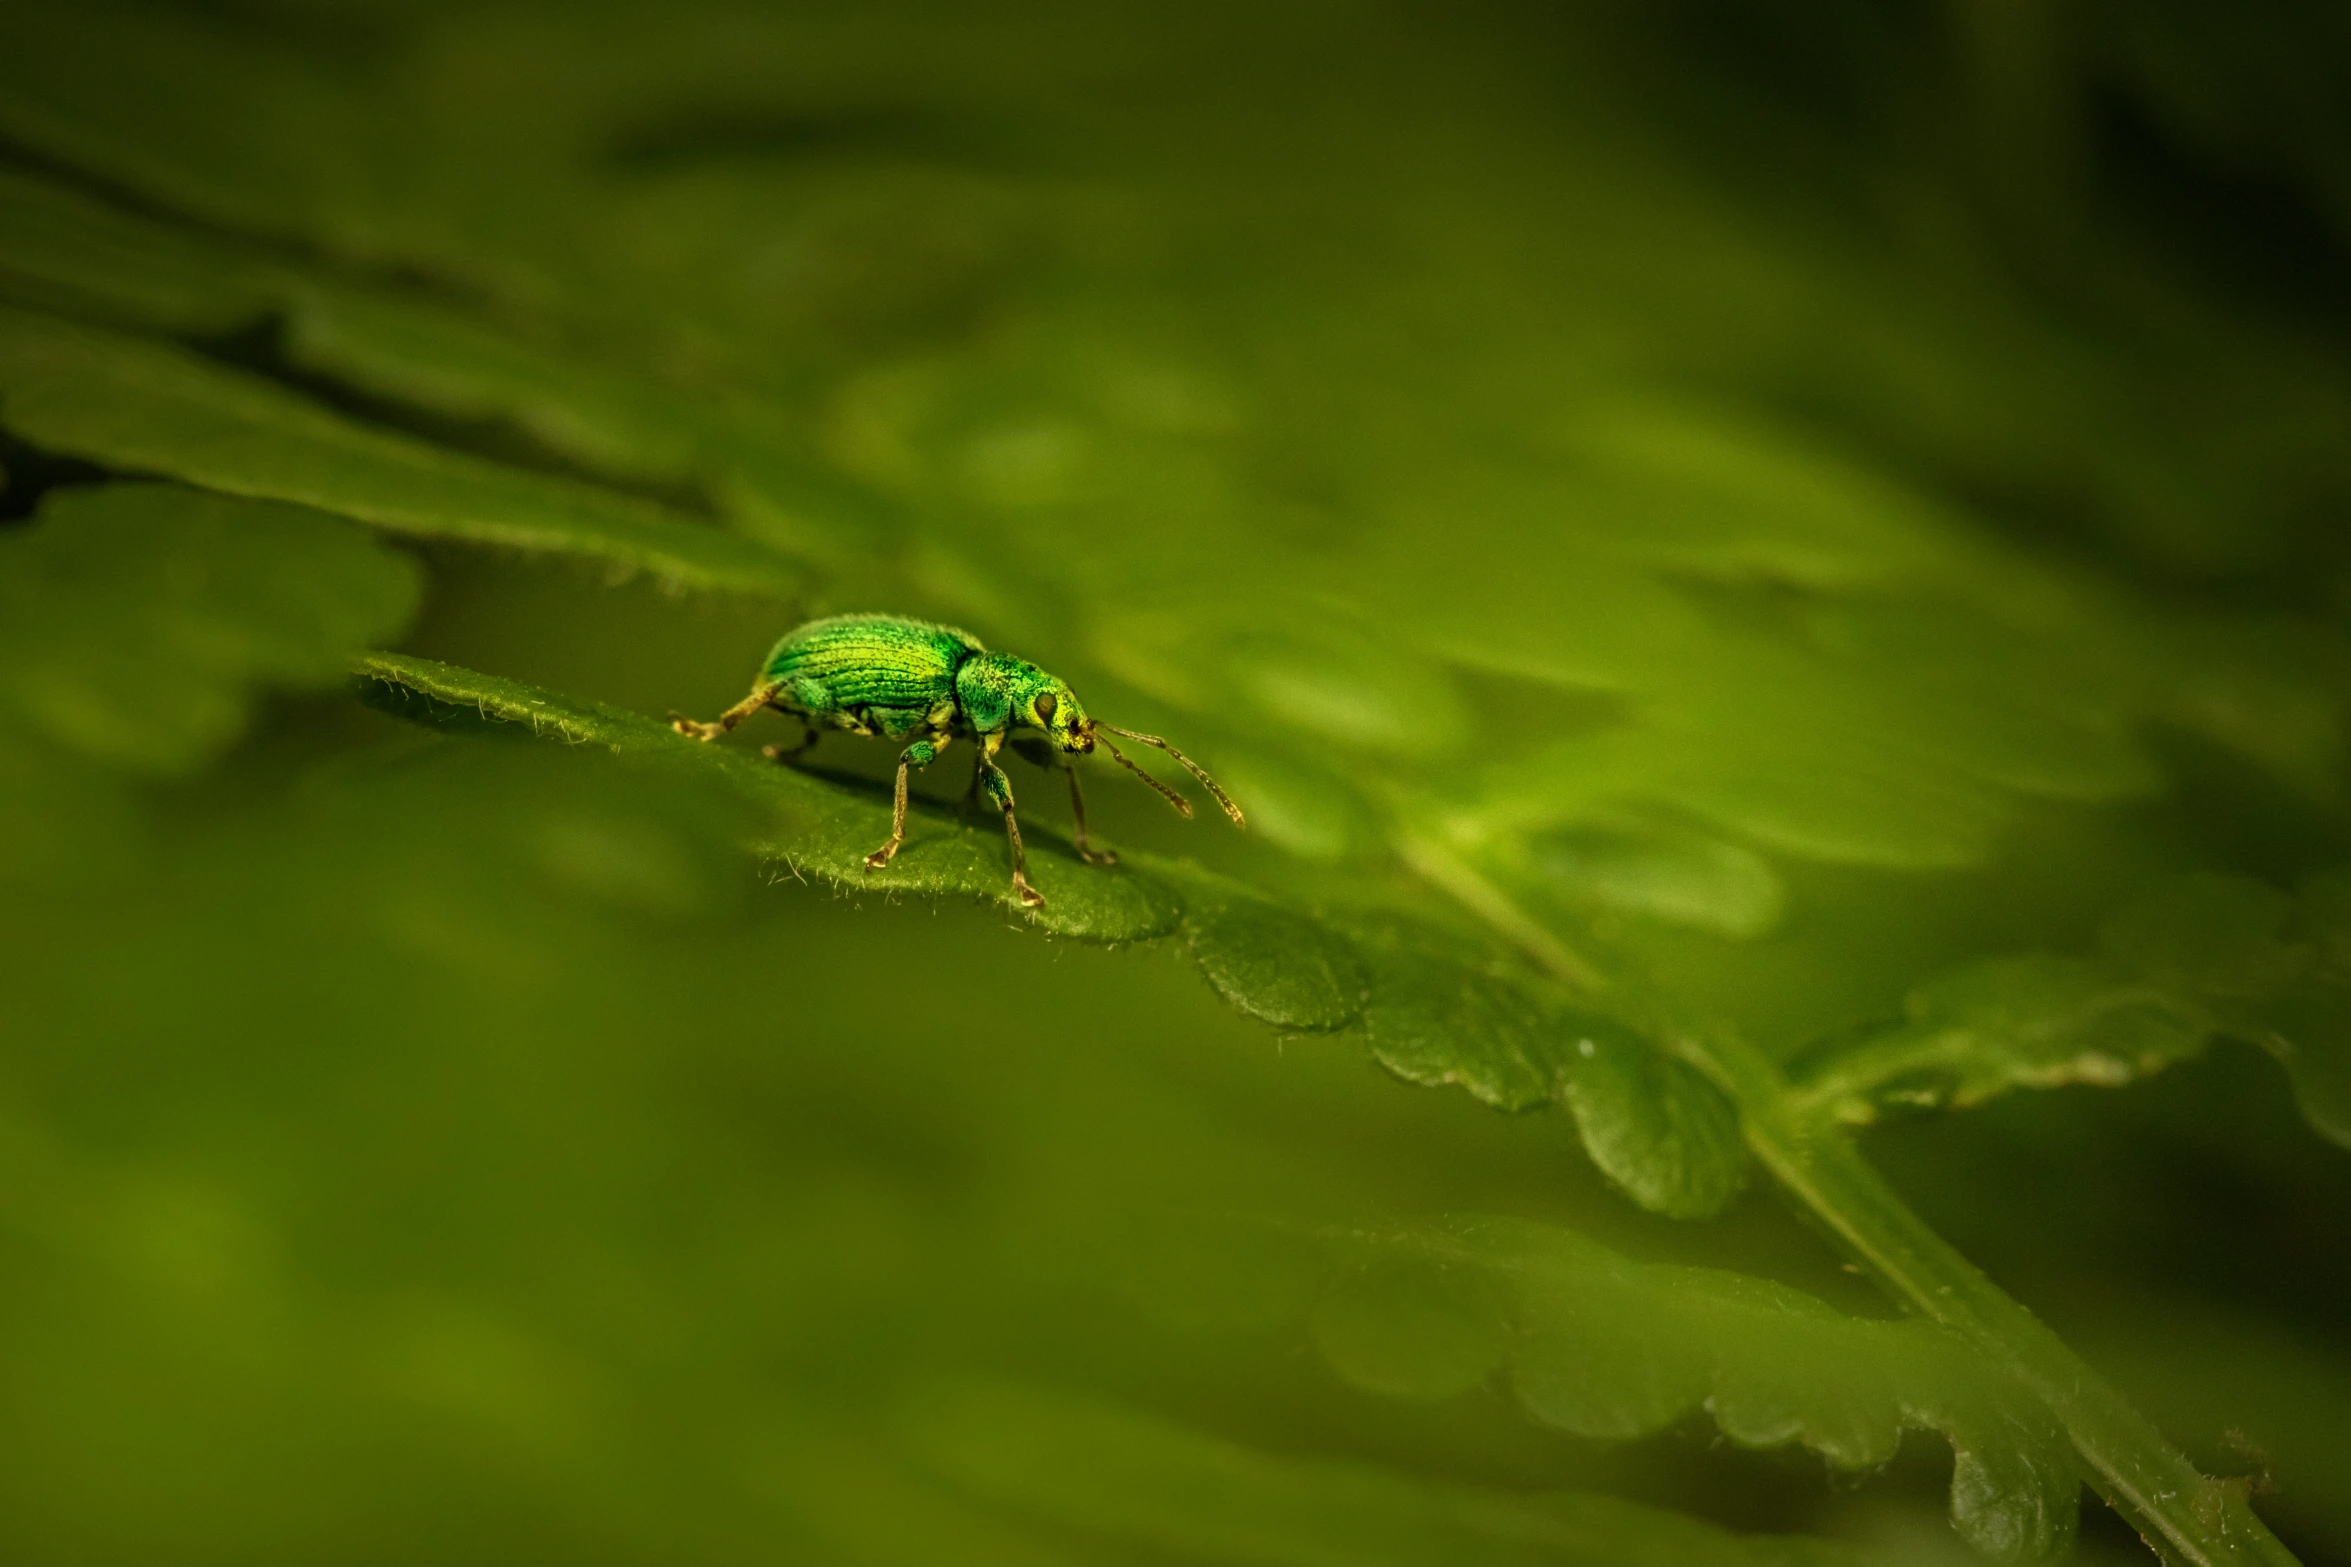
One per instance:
(971,796)
(809,735)
(916,755)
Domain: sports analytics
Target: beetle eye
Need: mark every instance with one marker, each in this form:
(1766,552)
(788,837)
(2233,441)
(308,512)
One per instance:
(1045,706)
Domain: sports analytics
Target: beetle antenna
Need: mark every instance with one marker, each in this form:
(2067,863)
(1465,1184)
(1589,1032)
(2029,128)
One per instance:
(1188,765)
(1182,805)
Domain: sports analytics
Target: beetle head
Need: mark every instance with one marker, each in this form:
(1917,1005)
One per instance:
(1053,707)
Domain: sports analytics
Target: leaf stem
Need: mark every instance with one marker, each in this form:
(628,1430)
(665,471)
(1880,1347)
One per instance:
(1455,877)
(2186,1516)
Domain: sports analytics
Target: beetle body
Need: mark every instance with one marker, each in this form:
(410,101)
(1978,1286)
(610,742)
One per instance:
(883,675)
(927,684)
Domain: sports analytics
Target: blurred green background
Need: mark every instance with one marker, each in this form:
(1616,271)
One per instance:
(1813,526)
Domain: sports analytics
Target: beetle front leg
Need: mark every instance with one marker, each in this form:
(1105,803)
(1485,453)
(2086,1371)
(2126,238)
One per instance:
(1039,754)
(726,720)
(916,755)
(999,790)
(1077,811)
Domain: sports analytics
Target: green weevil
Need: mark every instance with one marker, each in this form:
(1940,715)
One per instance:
(925,684)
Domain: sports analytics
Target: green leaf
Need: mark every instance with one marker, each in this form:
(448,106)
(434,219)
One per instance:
(1603,1347)
(140,619)
(2029,1022)
(1134,1482)
(1650,1122)
(1434,1021)
(1271,963)
(1685,878)
(147,407)
(69,252)
(139,623)
(2196,957)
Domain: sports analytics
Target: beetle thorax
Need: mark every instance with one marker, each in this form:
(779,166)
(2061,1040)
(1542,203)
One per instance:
(996,692)
(988,689)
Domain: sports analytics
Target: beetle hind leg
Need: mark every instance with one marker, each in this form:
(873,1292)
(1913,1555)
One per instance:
(725,721)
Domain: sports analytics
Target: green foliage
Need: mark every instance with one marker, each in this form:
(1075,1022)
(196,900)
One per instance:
(1606,1348)
(141,616)
(2206,955)
(1142,1483)
(146,408)
(1649,1122)
(1653,1124)
(1733,620)
(137,622)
